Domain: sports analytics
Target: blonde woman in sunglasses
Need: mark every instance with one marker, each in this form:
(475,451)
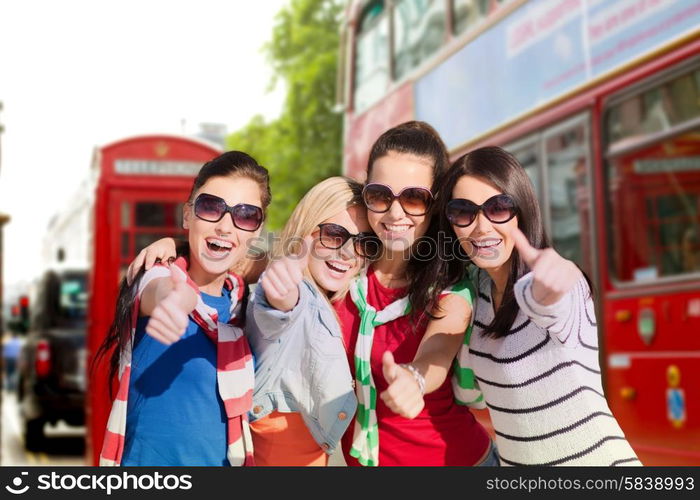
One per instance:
(304,398)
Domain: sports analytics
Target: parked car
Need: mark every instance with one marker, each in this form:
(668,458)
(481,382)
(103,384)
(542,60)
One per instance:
(52,363)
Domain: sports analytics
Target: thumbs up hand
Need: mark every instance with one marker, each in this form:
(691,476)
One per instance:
(169,318)
(282,277)
(403,396)
(552,275)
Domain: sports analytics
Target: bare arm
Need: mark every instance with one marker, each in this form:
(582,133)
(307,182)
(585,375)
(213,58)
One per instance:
(155,291)
(433,360)
(442,340)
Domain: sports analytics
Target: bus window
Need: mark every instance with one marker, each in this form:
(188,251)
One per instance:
(371,56)
(654,186)
(528,156)
(661,210)
(655,110)
(467,14)
(419,30)
(677,243)
(569,205)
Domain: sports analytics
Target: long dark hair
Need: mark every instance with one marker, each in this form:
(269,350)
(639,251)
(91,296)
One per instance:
(230,164)
(420,139)
(502,170)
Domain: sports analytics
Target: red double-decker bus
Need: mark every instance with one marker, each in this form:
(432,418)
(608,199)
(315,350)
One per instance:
(142,183)
(600,102)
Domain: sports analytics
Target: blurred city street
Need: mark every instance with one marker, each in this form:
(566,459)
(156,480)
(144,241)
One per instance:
(65,445)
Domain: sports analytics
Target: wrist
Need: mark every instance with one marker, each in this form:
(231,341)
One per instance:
(285,303)
(418,377)
(185,299)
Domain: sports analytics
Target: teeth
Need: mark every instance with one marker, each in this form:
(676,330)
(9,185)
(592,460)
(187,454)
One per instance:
(221,243)
(338,267)
(397,228)
(485,243)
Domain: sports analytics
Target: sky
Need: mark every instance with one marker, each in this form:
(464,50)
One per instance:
(75,74)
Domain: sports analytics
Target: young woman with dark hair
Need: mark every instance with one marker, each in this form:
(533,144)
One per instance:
(534,347)
(185,368)
(401,331)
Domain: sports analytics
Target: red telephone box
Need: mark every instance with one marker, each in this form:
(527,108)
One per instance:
(142,184)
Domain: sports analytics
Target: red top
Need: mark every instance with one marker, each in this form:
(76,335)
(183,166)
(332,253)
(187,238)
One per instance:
(444,433)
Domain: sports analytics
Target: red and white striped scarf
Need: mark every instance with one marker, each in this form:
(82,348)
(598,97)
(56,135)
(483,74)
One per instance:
(234,371)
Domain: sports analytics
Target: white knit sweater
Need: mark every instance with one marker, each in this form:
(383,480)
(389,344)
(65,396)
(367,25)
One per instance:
(542,382)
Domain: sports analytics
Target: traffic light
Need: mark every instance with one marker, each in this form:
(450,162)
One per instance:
(24,312)
(19,322)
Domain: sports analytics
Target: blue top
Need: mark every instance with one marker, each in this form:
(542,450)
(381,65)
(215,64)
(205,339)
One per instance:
(11,348)
(174,414)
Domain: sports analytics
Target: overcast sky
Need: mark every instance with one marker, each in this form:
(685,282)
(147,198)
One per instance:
(75,74)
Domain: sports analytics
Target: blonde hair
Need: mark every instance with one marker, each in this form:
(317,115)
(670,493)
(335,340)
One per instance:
(323,201)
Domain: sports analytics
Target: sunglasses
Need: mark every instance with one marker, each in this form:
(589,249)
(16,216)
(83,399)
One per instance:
(212,208)
(334,236)
(413,200)
(498,209)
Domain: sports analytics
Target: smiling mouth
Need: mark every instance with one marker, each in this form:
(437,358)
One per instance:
(483,245)
(216,249)
(338,268)
(396,228)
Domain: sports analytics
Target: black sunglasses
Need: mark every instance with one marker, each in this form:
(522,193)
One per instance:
(212,208)
(334,236)
(498,209)
(413,200)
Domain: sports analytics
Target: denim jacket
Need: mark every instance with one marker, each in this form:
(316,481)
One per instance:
(300,364)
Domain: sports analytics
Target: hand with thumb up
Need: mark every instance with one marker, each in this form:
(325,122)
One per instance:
(282,277)
(169,318)
(403,396)
(552,275)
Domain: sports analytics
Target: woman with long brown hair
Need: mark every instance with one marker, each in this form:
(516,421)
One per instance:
(401,331)
(534,348)
(185,369)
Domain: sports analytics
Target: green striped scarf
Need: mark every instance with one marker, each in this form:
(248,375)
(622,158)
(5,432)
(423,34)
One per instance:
(464,384)
(365,442)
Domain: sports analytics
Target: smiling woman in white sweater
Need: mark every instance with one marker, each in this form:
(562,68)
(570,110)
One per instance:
(534,345)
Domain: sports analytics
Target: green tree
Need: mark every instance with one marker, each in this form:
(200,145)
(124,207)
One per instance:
(303,145)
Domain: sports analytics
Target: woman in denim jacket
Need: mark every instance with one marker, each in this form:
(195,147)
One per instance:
(304,398)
